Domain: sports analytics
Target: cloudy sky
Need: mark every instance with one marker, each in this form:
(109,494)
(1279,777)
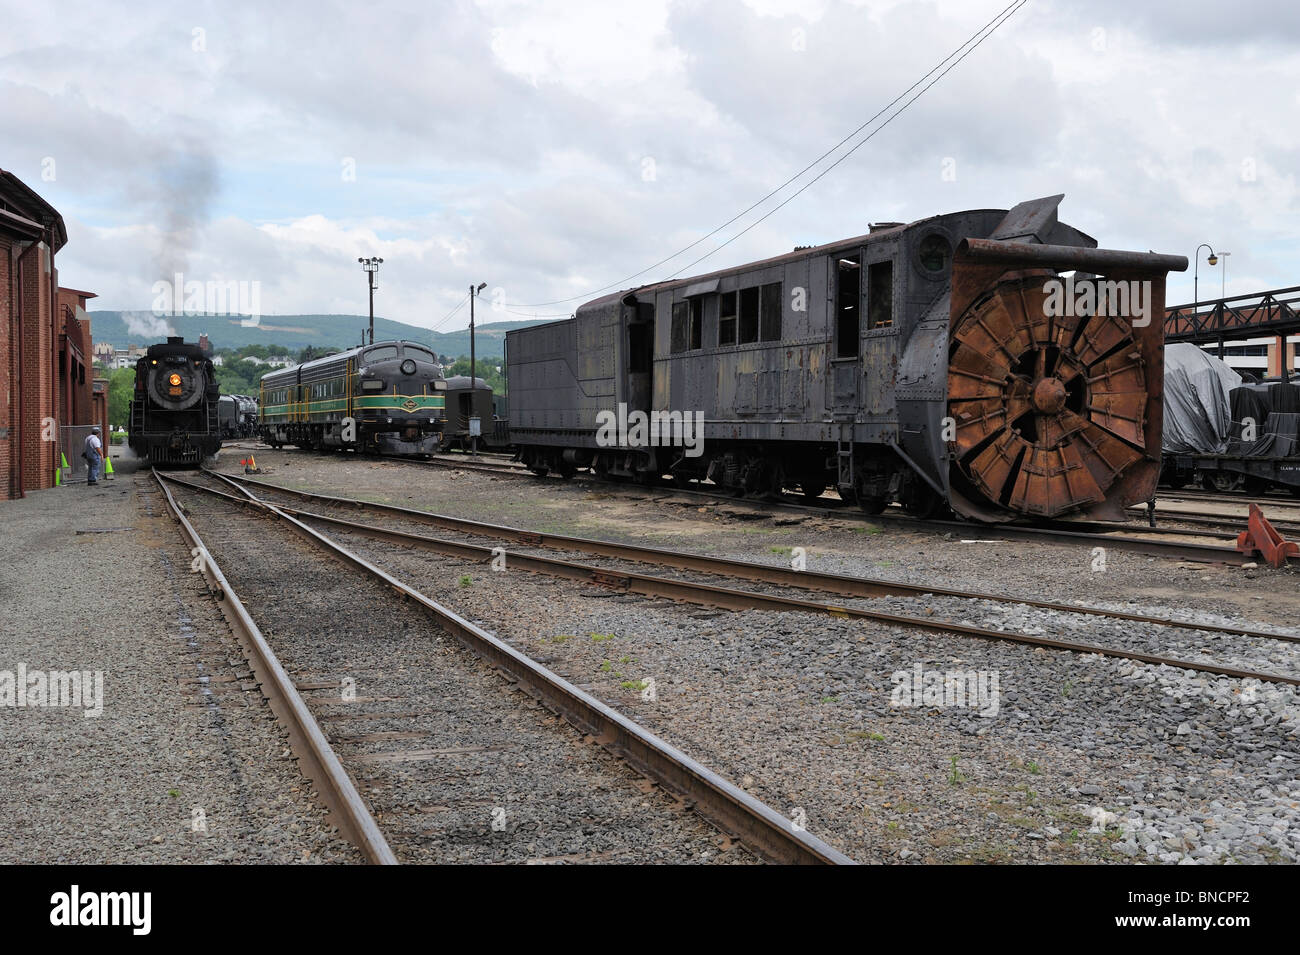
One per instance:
(551,149)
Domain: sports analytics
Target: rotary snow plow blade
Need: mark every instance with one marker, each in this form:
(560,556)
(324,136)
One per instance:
(1055,380)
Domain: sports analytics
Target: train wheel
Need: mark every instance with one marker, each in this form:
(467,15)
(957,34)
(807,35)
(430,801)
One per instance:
(1221,482)
(921,501)
(812,490)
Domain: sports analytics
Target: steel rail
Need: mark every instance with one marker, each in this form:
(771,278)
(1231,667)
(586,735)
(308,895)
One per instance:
(734,811)
(714,596)
(316,757)
(840,584)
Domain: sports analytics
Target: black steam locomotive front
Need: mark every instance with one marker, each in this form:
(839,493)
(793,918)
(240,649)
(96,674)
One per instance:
(174,409)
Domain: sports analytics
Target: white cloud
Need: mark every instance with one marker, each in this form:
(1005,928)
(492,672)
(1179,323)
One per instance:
(506,141)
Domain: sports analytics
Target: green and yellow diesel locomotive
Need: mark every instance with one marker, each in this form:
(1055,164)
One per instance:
(383,398)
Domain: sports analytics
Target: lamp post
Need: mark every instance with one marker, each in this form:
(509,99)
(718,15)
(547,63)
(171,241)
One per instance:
(1212,259)
(473,294)
(371,266)
(1223,279)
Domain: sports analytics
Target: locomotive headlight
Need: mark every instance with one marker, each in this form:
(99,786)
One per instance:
(174,380)
(408,367)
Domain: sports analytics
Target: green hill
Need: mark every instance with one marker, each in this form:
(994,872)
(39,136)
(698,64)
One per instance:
(295,332)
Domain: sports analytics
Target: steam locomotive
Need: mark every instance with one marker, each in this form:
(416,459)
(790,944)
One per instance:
(174,408)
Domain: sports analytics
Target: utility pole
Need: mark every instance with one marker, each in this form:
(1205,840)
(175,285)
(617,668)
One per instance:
(371,266)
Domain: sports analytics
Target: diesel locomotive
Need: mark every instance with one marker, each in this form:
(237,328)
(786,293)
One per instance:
(173,409)
(995,362)
(383,398)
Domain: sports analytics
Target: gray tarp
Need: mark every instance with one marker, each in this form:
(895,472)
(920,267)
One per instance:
(1197,410)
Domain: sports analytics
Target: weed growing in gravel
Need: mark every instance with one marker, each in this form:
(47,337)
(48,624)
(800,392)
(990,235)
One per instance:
(955,777)
(830,699)
(1067,689)
(174,793)
(637,685)
(885,563)
(627,659)
(1031,767)
(465,580)
(864,734)
(560,638)
(600,637)
(783,551)
(866,529)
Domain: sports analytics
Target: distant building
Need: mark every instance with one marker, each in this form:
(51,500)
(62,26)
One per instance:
(1260,357)
(204,344)
(218,360)
(105,354)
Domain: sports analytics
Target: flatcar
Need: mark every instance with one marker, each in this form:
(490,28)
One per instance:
(174,407)
(1262,452)
(961,360)
(384,398)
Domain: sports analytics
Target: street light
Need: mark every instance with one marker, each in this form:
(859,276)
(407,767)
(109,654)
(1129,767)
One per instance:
(371,266)
(1212,259)
(1223,278)
(473,294)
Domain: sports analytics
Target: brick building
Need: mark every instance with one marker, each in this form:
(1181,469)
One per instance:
(45,347)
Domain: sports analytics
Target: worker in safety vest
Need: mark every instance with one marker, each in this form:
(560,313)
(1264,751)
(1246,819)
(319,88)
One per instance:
(94,453)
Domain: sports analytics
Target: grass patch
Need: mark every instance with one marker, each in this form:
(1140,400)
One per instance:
(465,580)
(601,637)
(637,685)
(955,776)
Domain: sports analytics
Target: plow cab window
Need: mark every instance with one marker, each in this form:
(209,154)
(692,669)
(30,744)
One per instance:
(848,310)
(880,295)
(749,315)
(771,313)
(680,331)
(727,318)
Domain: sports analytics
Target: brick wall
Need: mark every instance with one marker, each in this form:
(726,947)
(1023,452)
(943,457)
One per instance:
(8,361)
(38,429)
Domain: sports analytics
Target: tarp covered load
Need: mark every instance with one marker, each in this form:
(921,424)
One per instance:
(1198,411)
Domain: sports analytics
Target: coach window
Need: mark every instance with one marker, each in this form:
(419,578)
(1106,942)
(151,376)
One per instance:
(697,322)
(727,318)
(880,295)
(749,298)
(770,314)
(848,297)
(681,327)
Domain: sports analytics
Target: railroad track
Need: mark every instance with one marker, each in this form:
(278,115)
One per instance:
(713,594)
(765,832)
(1167,542)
